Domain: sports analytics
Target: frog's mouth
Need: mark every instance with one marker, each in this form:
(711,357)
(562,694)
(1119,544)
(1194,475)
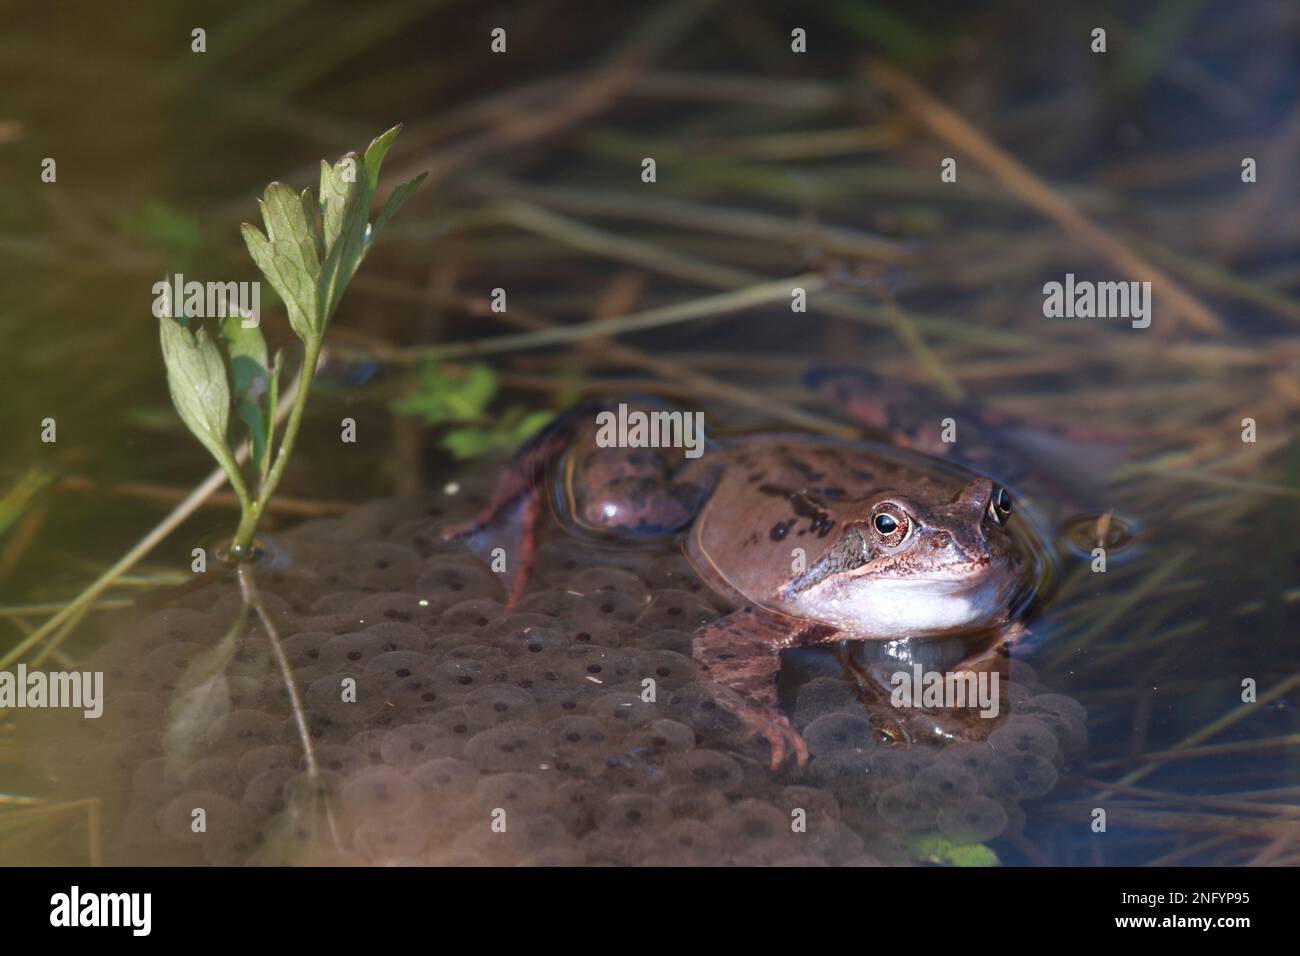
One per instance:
(947,579)
(953,576)
(901,607)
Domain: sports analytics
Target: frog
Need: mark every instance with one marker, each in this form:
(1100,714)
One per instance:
(812,539)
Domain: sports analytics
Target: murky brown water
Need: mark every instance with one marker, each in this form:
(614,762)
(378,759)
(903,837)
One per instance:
(162,152)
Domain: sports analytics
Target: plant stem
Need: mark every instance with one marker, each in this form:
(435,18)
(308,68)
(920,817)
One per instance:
(251,513)
(253,599)
(726,303)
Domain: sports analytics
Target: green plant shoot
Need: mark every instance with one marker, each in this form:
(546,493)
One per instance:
(309,252)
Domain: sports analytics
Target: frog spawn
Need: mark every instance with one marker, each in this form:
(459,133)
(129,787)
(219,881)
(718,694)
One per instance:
(450,730)
(968,790)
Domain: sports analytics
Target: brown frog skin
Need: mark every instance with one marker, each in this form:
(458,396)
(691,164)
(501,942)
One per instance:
(814,540)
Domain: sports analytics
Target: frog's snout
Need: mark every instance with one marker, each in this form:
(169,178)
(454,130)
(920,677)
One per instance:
(959,549)
(974,498)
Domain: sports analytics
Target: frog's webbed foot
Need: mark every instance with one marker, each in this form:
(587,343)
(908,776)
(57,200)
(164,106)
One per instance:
(742,652)
(774,727)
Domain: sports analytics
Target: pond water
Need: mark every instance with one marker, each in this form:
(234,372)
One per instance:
(1161,690)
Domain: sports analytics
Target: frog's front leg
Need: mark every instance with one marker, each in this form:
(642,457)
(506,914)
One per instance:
(742,652)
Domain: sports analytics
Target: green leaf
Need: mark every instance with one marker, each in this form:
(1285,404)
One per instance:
(532,423)
(287,255)
(510,431)
(288,229)
(251,381)
(472,394)
(311,213)
(394,203)
(246,343)
(296,289)
(196,377)
(375,153)
(334,191)
(345,255)
(311,250)
(937,848)
(465,443)
(344,209)
(443,398)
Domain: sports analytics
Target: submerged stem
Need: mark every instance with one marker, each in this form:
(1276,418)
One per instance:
(253,599)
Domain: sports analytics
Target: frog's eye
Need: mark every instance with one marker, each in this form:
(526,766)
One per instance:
(1000,506)
(891,524)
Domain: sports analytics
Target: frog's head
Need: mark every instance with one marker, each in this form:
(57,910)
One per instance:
(904,566)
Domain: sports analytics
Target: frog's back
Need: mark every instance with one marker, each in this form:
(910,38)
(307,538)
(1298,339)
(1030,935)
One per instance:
(785,492)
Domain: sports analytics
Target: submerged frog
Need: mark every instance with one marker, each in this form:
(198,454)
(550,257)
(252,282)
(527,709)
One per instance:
(815,540)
